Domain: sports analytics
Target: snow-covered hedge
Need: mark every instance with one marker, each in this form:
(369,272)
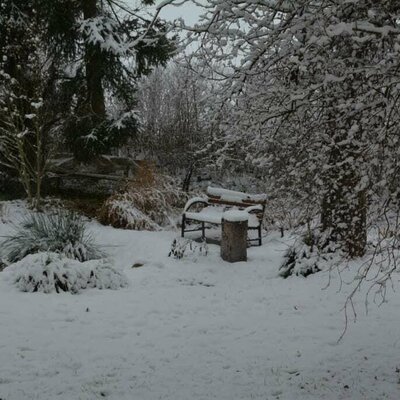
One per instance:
(52,272)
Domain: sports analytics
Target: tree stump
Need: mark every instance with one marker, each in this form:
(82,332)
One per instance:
(234,236)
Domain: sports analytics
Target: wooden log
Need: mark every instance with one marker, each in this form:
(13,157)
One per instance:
(65,174)
(234,236)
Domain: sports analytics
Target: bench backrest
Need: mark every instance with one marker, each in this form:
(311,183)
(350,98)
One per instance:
(236,199)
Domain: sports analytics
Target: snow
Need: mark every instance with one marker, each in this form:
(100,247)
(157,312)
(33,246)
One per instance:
(254,208)
(194,200)
(45,272)
(234,196)
(214,215)
(103,31)
(196,328)
(235,216)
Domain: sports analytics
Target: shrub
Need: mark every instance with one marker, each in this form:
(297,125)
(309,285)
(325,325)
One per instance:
(312,253)
(181,247)
(52,272)
(147,202)
(119,211)
(62,232)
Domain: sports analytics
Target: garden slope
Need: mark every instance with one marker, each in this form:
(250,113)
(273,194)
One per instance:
(196,329)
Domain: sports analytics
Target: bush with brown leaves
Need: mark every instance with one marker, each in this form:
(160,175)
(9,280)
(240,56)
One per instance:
(147,202)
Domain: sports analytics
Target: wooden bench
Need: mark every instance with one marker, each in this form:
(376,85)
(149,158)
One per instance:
(219,200)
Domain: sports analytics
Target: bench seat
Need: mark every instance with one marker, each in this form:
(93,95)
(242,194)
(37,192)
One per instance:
(213,215)
(218,201)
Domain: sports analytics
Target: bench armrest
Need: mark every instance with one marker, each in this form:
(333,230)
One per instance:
(195,200)
(254,208)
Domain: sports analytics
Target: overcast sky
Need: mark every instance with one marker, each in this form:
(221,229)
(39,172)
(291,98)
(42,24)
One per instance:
(189,12)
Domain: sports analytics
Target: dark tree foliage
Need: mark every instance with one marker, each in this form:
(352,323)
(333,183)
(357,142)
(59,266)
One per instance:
(93,55)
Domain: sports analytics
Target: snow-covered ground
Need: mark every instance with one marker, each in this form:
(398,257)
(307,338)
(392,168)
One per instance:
(196,329)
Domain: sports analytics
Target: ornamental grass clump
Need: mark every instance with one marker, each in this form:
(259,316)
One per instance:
(62,232)
(148,202)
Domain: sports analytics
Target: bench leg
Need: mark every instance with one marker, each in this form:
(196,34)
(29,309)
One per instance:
(183,226)
(259,236)
(203,231)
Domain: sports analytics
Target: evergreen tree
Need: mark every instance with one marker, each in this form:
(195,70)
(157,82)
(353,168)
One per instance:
(68,69)
(93,53)
(104,52)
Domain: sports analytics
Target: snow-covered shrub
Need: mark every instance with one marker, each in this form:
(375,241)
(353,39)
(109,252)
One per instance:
(147,202)
(120,211)
(62,232)
(53,272)
(180,247)
(312,253)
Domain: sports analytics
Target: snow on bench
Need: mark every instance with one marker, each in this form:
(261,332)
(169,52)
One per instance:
(220,200)
(235,216)
(214,215)
(233,196)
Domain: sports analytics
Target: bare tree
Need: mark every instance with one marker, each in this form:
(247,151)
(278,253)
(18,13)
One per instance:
(28,113)
(314,89)
(174,128)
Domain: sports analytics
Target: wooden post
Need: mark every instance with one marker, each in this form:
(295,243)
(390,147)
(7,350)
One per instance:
(234,236)
(183,225)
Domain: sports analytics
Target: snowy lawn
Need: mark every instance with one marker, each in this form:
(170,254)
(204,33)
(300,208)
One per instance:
(195,329)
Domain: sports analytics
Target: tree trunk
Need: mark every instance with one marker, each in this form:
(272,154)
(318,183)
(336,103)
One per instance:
(94,66)
(344,203)
(188,178)
(344,216)
(39,167)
